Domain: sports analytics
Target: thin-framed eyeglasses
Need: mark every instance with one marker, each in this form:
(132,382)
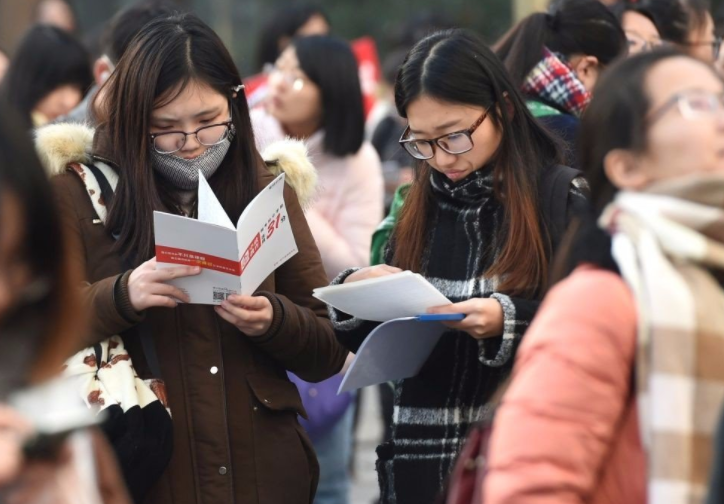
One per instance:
(457,142)
(715,45)
(295,82)
(170,142)
(692,105)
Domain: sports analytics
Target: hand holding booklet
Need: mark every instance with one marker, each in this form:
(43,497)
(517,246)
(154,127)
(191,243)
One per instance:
(233,259)
(398,348)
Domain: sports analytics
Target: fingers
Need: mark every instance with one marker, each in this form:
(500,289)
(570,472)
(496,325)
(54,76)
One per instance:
(248,322)
(244,313)
(390,269)
(450,308)
(166,274)
(249,302)
(162,289)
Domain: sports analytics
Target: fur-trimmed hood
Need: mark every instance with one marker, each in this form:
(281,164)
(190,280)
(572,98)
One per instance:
(59,145)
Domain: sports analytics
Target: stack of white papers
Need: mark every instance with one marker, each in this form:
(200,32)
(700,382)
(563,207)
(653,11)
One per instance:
(398,348)
(390,297)
(234,259)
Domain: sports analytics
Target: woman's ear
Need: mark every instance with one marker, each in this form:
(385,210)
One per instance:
(587,69)
(623,170)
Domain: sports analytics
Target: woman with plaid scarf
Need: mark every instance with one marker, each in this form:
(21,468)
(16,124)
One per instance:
(555,60)
(618,385)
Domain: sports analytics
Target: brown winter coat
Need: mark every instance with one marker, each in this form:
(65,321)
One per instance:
(236,434)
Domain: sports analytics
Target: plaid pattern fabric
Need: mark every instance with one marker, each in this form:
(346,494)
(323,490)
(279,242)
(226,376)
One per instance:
(669,243)
(553,81)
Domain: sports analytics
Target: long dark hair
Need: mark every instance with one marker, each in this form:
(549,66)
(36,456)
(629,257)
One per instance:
(45,327)
(46,59)
(330,63)
(615,119)
(285,23)
(168,55)
(455,66)
(572,27)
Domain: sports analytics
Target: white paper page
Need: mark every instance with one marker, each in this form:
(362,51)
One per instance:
(394,351)
(193,242)
(386,298)
(265,237)
(210,210)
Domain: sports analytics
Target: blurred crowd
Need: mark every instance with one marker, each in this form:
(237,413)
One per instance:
(559,186)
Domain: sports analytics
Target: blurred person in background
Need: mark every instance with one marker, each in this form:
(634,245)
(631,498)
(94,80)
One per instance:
(315,95)
(472,225)
(48,75)
(639,25)
(689,25)
(385,126)
(289,21)
(114,41)
(58,13)
(172,112)
(617,387)
(4,63)
(555,59)
(40,327)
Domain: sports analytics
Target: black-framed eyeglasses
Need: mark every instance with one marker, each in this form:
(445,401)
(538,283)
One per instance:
(715,45)
(169,142)
(458,142)
(692,105)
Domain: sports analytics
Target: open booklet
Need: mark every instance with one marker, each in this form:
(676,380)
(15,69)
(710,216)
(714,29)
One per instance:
(234,259)
(398,348)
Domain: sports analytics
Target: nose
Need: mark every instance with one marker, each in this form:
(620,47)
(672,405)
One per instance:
(444,159)
(192,144)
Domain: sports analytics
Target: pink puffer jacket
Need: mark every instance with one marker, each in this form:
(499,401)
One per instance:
(567,429)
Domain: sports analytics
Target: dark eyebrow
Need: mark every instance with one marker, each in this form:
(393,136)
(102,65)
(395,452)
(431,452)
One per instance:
(215,111)
(440,127)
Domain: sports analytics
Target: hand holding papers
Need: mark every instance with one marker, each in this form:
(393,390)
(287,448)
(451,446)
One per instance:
(399,347)
(389,297)
(234,259)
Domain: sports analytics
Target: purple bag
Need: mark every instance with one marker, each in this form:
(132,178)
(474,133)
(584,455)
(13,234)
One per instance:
(324,407)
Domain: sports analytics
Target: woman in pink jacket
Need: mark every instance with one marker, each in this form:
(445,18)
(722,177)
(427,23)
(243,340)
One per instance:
(618,384)
(315,95)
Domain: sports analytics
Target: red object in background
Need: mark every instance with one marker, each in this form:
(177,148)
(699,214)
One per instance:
(370,73)
(370,70)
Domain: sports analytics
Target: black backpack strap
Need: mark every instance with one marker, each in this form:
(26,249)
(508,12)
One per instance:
(554,190)
(147,341)
(106,189)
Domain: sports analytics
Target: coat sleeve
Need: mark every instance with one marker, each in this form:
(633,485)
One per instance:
(103,300)
(301,336)
(344,239)
(570,387)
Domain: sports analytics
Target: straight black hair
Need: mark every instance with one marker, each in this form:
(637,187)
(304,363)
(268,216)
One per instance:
(572,27)
(330,64)
(676,19)
(168,55)
(127,23)
(46,59)
(285,24)
(455,66)
(615,119)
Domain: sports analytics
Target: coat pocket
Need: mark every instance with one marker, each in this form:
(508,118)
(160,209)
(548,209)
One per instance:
(276,394)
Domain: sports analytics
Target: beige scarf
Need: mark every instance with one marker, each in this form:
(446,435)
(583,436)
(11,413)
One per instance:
(667,241)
